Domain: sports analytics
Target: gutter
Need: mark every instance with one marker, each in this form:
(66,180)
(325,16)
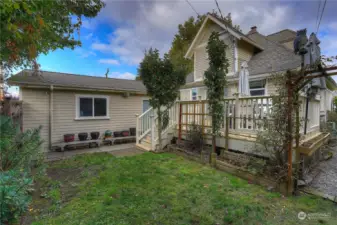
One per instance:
(60,87)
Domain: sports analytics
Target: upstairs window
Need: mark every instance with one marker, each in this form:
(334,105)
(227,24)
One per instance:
(92,107)
(257,87)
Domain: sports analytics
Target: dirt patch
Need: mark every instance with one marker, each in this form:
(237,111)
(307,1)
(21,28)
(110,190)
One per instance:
(57,188)
(126,152)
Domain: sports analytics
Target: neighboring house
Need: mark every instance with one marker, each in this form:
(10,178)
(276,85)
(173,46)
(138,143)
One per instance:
(67,103)
(265,56)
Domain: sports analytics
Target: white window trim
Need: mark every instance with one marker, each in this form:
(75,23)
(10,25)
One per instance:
(77,115)
(258,89)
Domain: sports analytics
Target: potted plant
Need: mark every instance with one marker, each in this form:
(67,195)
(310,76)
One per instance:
(82,136)
(94,135)
(68,137)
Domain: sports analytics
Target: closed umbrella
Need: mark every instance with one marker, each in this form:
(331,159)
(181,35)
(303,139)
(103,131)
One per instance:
(244,80)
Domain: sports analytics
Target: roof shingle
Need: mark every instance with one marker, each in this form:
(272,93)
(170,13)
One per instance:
(45,78)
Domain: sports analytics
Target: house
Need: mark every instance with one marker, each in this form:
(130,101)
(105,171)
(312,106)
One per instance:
(67,103)
(265,55)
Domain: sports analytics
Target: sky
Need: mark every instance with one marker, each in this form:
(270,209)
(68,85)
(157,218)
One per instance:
(123,30)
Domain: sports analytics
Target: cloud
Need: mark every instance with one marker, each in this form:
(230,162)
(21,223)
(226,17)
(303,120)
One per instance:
(89,24)
(109,61)
(83,53)
(119,75)
(88,36)
(143,24)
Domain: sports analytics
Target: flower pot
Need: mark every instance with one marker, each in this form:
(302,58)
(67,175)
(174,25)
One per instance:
(69,137)
(107,134)
(117,134)
(94,135)
(82,136)
(125,133)
(132,131)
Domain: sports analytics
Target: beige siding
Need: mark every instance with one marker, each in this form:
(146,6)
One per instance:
(210,27)
(289,45)
(201,62)
(122,113)
(185,94)
(245,52)
(36,112)
(232,89)
(271,87)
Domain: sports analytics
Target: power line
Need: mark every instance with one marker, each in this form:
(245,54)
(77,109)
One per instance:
(319,7)
(192,7)
(321,16)
(217,5)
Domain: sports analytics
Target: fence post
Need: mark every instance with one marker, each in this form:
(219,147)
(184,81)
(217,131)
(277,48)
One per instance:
(236,111)
(137,128)
(227,129)
(153,127)
(180,115)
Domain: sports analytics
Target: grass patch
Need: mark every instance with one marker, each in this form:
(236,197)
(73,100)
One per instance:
(167,189)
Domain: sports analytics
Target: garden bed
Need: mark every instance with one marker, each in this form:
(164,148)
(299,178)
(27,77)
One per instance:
(226,164)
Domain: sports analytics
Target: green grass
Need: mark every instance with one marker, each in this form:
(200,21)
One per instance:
(167,189)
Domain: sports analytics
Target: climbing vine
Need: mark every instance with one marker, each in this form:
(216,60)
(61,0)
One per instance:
(215,81)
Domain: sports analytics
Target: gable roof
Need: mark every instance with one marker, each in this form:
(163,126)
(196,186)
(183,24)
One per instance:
(223,24)
(274,58)
(282,36)
(75,81)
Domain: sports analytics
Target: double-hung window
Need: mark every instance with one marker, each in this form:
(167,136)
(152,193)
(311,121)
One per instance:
(92,107)
(257,87)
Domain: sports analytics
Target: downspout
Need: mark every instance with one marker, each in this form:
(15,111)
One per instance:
(51,103)
(306,115)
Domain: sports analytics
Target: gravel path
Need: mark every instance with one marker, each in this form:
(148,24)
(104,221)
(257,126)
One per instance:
(326,180)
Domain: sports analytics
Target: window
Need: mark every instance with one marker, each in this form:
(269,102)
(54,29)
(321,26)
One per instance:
(146,105)
(92,107)
(194,94)
(225,92)
(257,87)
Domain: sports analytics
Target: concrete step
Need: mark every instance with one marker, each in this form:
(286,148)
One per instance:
(143,147)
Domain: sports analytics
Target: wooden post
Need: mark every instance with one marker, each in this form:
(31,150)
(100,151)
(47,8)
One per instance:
(180,115)
(153,127)
(290,135)
(203,118)
(236,110)
(227,130)
(137,128)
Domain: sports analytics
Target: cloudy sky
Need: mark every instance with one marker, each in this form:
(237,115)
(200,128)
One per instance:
(117,37)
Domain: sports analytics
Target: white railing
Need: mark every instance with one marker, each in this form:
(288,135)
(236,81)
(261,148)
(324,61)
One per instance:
(252,112)
(144,124)
(148,121)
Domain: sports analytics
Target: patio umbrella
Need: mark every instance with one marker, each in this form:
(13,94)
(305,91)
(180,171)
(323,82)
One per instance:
(244,80)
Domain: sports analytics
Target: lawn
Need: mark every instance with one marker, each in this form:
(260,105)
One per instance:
(160,189)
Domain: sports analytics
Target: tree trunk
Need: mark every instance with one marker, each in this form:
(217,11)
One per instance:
(159,129)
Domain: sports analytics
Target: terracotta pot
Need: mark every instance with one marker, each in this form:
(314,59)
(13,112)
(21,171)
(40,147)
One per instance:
(82,136)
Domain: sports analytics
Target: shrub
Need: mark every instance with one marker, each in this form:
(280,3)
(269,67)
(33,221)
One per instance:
(196,137)
(15,187)
(19,152)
